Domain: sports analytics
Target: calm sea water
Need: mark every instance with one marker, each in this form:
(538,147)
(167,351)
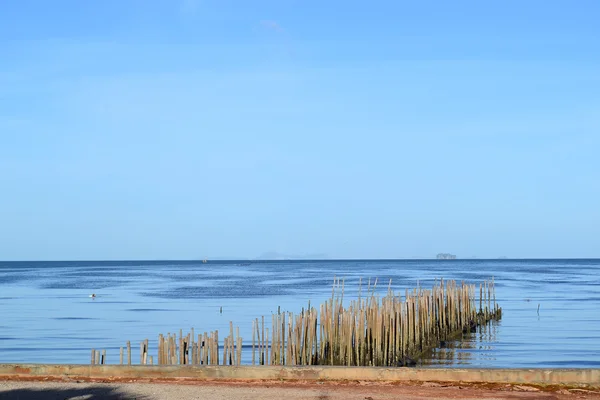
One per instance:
(47,316)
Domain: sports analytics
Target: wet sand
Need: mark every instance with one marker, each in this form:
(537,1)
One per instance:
(29,390)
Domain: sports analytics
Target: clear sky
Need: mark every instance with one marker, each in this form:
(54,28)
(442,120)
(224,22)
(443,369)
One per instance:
(189,129)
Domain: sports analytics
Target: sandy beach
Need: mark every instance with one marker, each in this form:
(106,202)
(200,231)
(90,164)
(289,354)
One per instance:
(20,390)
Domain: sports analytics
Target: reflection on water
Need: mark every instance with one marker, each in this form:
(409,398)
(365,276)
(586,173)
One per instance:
(48,316)
(470,348)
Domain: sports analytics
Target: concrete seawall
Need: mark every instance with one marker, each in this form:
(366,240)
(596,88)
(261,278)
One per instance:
(566,377)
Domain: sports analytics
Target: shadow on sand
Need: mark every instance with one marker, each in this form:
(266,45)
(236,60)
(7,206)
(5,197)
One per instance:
(87,393)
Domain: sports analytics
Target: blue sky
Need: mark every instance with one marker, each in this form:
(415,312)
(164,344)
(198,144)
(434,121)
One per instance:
(190,129)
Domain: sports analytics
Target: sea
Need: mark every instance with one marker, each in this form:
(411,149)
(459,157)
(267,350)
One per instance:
(550,319)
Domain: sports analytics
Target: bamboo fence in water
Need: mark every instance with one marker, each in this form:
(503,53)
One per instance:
(371,331)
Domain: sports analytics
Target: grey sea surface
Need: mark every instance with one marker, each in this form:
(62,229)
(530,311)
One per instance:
(551,308)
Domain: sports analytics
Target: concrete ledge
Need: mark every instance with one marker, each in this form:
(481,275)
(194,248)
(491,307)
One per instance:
(543,377)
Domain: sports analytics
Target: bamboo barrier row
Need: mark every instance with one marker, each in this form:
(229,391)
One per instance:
(371,331)
(98,358)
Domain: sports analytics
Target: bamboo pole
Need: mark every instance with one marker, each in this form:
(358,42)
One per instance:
(267,347)
(262,355)
(145,351)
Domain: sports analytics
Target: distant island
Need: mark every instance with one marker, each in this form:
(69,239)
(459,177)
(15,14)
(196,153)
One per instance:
(446,256)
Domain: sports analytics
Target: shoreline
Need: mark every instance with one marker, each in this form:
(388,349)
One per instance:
(116,382)
(543,377)
(275,390)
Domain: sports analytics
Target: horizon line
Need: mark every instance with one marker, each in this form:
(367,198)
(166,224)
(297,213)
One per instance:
(208,260)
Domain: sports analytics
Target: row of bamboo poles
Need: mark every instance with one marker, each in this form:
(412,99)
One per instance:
(371,331)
